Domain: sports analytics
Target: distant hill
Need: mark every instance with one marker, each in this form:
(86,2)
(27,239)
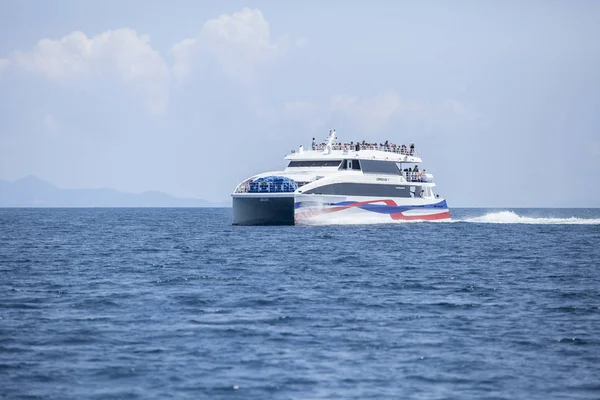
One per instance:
(34,192)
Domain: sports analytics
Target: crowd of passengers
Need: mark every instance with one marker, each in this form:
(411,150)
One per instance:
(357,146)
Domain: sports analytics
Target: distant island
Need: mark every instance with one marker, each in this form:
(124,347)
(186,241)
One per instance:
(34,192)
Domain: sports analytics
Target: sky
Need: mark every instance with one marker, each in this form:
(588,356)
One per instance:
(501,98)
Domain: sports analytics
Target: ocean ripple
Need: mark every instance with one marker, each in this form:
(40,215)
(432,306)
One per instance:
(177,303)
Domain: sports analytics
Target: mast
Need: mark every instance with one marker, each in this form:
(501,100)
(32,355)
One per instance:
(330,140)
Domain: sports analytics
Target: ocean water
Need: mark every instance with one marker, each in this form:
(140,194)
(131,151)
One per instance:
(177,303)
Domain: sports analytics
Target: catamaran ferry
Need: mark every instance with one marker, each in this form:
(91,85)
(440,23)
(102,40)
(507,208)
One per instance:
(351,182)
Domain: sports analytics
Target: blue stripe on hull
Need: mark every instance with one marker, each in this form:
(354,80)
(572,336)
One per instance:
(377,208)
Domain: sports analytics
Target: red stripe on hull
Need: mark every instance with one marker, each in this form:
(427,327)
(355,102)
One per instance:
(429,217)
(360,203)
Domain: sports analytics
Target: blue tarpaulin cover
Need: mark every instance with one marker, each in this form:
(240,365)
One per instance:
(277,184)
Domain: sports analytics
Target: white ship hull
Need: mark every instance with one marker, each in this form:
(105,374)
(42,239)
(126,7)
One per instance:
(310,209)
(354,182)
(290,209)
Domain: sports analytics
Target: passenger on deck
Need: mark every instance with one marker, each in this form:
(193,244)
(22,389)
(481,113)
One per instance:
(314,144)
(403,149)
(412,149)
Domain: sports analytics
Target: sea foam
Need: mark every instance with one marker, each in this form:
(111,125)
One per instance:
(510,217)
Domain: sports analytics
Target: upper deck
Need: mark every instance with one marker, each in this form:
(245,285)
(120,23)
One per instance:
(330,149)
(366,152)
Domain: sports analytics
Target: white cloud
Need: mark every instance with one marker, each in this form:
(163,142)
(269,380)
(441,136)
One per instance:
(121,54)
(240,43)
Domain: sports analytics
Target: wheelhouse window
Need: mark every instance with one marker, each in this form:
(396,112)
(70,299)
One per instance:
(315,163)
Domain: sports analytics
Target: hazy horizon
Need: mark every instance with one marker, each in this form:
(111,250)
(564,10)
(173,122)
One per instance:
(500,98)
(32,191)
(216,204)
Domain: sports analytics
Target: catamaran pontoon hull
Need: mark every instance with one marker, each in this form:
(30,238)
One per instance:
(333,182)
(310,209)
(263,210)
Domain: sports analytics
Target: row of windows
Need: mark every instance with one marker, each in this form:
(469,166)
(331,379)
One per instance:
(363,189)
(316,163)
(370,189)
(345,164)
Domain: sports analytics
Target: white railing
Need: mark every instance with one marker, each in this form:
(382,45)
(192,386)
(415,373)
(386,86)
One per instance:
(346,147)
(266,187)
(417,177)
(242,188)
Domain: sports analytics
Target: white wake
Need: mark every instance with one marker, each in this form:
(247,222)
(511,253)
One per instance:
(498,217)
(510,217)
(354,221)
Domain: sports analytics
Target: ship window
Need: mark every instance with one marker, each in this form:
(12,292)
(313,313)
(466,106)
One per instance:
(315,163)
(355,165)
(362,189)
(380,167)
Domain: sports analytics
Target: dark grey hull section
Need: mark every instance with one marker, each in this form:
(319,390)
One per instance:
(263,210)
(367,189)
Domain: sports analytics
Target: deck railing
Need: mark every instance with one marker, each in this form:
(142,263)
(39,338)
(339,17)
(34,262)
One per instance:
(352,147)
(417,177)
(266,187)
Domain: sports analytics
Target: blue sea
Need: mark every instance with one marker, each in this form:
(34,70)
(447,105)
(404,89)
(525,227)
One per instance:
(180,304)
